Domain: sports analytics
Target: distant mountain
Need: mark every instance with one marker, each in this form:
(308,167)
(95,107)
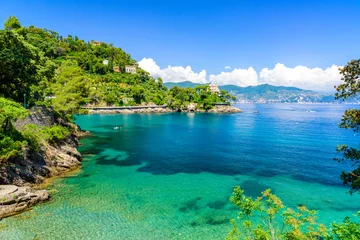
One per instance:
(269,93)
(185,84)
(266,93)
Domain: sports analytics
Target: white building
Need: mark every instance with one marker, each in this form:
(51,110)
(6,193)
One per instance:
(130,68)
(214,88)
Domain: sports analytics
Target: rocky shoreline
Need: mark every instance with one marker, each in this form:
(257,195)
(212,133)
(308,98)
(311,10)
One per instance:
(19,175)
(216,109)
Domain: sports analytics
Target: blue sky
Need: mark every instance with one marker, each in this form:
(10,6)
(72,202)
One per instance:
(209,35)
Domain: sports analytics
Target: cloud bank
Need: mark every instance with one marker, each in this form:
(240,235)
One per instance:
(172,74)
(300,76)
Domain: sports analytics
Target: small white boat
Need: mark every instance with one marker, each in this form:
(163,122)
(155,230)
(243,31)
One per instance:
(116,128)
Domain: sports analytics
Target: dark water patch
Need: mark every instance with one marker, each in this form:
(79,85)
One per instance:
(313,177)
(253,188)
(106,160)
(217,204)
(212,219)
(217,220)
(159,167)
(191,205)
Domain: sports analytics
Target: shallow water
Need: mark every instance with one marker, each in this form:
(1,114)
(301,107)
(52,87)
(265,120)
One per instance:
(170,175)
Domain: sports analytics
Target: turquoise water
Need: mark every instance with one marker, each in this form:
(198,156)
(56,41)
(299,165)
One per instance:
(170,176)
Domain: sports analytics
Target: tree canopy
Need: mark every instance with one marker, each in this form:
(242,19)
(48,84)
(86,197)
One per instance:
(21,66)
(12,23)
(350,120)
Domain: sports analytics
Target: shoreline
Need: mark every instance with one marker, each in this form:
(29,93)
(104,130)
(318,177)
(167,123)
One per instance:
(160,109)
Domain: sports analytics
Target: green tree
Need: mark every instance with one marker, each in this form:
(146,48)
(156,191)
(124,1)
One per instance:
(266,217)
(350,120)
(138,94)
(21,66)
(70,89)
(12,23)
(346,230)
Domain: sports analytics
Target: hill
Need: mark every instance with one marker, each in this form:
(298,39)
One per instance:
(185,84)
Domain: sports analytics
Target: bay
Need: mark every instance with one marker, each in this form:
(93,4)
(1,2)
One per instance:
(170,175)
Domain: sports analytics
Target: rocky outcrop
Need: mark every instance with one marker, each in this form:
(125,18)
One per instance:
(224,109)
(130,111)
(14,199)
(40,115)
(192,107)
(33,167)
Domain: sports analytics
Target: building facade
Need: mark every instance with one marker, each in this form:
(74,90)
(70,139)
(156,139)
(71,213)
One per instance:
(214,88)
(130,68)
(95,43)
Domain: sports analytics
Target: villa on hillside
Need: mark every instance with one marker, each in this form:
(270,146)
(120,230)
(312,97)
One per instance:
(130,68)
(95,43)
(214,88)
(116,69)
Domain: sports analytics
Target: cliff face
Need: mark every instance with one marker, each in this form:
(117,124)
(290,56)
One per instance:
(33,168)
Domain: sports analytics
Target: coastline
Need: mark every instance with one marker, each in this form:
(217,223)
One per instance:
(159,109)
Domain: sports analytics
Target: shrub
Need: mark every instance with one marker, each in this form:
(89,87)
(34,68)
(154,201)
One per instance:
(267,218)
(9,148)
(56,133)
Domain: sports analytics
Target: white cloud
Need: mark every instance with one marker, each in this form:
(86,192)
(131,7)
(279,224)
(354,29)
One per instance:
(300,76)
(303,77)
(172,74)
(239,77)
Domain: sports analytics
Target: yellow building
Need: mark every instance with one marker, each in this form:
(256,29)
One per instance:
(214,88)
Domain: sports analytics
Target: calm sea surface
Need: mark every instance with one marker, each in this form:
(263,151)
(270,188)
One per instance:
(169,176)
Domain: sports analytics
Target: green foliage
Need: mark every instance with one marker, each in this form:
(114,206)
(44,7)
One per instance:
(11,141)
(9,148)
(10,111)
(346,230)
(350,120)
(70,88)
(351,85)
(12,23)
(180,98)
(37,136)
(351,178)
(21,66)
(267,218)
(55,134)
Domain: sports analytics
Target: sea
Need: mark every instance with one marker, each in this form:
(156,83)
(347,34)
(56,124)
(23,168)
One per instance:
(170,176)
